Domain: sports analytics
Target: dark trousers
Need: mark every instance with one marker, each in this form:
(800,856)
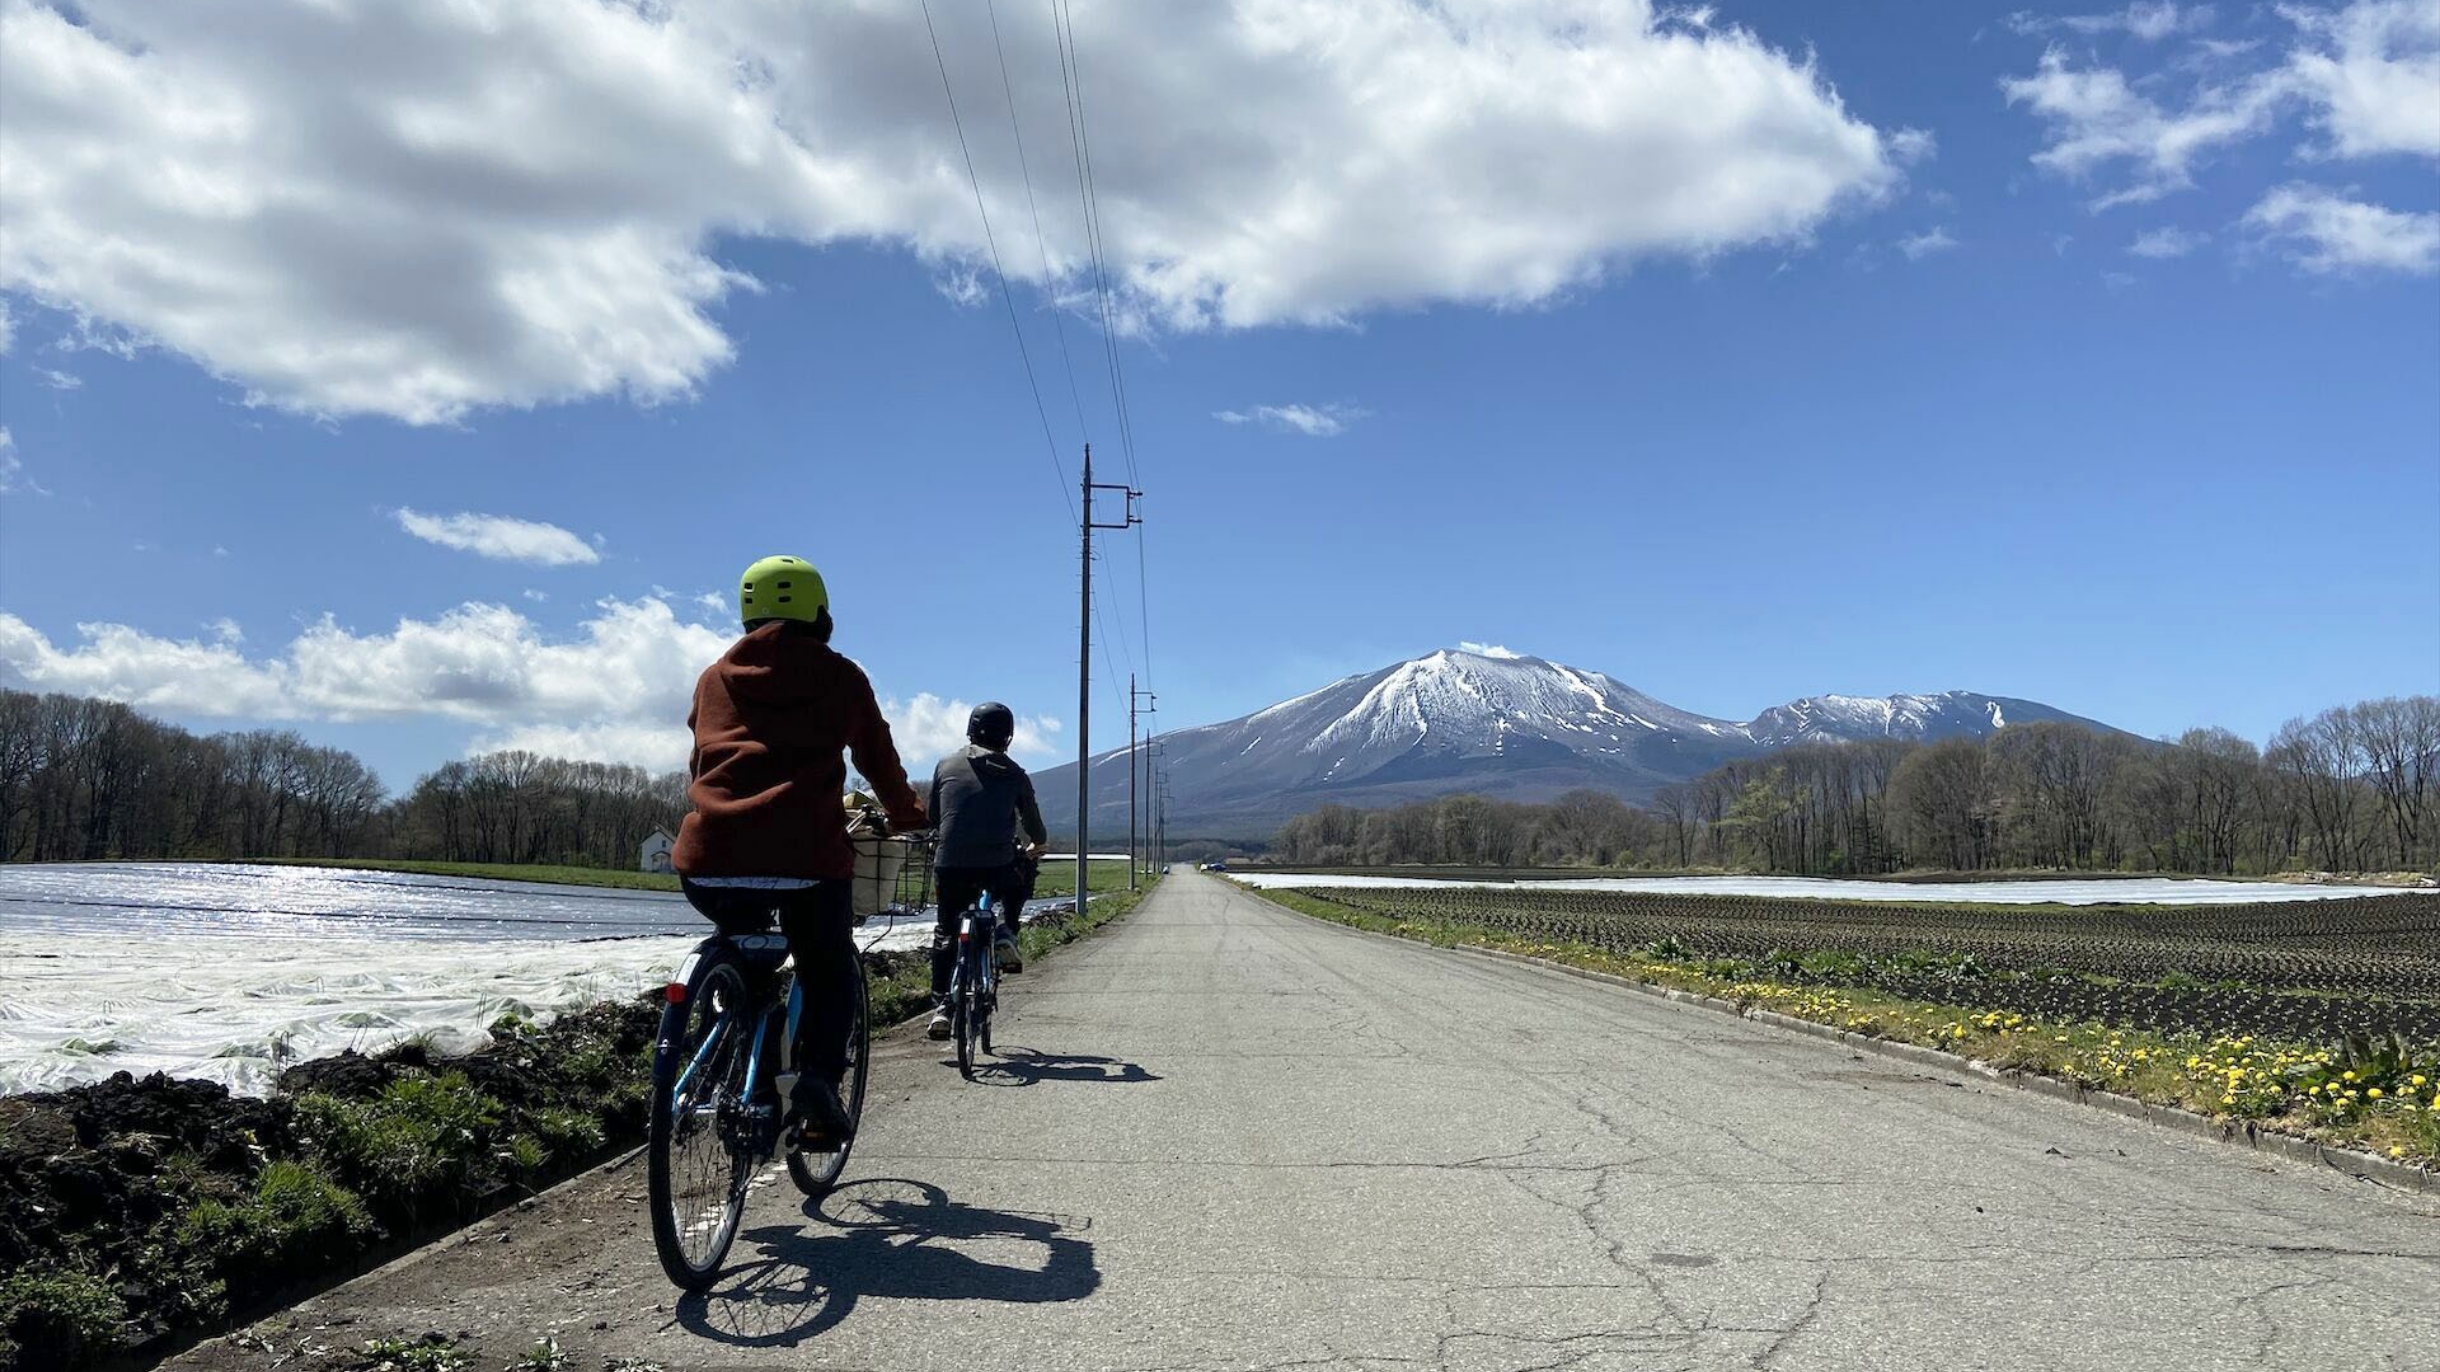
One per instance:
(1011,884)
(820,922)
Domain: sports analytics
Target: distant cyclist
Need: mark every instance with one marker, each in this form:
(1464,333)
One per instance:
(768,831)
(980,797)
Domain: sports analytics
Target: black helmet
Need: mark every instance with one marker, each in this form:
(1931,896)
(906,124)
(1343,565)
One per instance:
(992,725)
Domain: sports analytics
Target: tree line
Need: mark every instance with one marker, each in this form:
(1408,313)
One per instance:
(2354,788)
(88,780)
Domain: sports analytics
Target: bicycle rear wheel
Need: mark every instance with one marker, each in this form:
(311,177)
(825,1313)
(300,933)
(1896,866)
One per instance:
(965,1001)
(816,1172)
(697,1162)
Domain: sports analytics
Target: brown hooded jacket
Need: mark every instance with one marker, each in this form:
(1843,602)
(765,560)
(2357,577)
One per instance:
(770,720)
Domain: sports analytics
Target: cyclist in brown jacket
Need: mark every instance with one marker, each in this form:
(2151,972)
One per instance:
(768,831)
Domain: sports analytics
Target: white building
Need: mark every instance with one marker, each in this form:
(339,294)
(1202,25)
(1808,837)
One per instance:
(654,855)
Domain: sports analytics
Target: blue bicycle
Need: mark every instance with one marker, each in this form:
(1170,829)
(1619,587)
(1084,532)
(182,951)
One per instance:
(721,1074)
(974,983)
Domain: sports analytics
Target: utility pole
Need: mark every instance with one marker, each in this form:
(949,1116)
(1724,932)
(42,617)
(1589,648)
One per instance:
(1084,673)
(1160,814)
(1135,848)
(1135,856)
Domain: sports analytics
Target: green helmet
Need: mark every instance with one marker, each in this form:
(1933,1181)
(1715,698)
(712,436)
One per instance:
(782,588)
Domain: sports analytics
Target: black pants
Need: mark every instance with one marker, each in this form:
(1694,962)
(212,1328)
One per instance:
(820,922)
(1011,884)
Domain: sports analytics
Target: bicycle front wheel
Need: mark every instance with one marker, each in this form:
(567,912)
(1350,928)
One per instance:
(816,1172)
(697,1161)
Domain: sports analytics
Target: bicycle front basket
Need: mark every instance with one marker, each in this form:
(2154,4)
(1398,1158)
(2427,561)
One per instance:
(914,889)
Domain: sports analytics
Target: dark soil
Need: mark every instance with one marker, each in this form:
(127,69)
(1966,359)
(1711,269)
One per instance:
(134,1211)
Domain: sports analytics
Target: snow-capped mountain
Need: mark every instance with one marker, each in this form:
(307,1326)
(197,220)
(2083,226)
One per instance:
(1950,714)
(1491,722)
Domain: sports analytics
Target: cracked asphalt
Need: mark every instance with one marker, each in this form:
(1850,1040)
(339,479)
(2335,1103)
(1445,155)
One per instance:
(1227,1137)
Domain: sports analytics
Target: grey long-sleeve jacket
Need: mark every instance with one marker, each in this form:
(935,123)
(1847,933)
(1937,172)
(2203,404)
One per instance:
(979,797)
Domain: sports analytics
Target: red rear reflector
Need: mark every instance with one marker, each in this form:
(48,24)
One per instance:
(676,993)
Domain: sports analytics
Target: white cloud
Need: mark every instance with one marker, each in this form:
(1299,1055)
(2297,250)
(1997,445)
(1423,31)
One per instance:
(1920,245)
(927,728)
(118,663)
(713,602)
(2098,119)
(8,328)
(617,689)
(501,538)
(538,597)
(13,477)
(2373,77)
(924,729)
(2323,231)
(1487,650)
(410,209)
(58,380)
(660,745)
(2166,242)
(1313,421)
(1909,146)
(2146,20)
(2367,75)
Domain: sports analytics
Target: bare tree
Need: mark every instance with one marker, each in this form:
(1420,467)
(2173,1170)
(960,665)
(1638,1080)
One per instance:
(2400,739)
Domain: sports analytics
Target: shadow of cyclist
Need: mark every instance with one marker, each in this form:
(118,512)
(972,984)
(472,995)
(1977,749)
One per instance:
(883,1237)
(1018,1066)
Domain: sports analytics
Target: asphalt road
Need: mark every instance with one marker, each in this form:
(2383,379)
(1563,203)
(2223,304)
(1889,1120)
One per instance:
(1227,1137)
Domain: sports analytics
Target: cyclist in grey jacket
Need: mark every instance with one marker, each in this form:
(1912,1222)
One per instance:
(980,800)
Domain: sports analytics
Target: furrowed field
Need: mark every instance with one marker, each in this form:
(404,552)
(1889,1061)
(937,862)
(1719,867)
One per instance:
(2316,1017)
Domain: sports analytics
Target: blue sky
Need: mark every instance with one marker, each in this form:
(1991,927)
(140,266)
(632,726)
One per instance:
(1847,380)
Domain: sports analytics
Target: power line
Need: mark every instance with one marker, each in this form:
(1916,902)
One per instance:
(1080,144)
(1071,75)
(1041,240)
(1050,443)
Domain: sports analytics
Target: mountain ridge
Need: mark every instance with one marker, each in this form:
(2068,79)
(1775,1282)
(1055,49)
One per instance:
(1498,723)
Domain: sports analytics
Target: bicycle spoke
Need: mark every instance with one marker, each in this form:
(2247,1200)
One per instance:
(702,1165)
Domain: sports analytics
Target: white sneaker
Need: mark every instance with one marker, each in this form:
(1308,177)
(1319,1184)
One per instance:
(1004,947)
(939,1027)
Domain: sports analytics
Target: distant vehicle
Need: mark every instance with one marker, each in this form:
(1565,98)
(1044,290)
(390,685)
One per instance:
(1217,867)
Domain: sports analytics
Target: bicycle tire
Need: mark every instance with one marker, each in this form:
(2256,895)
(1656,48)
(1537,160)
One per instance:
(715,992)
(964,1002)
(816,1173)
(990,1009)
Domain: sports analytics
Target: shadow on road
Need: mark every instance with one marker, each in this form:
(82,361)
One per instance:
(885,1237)
(1018,1066)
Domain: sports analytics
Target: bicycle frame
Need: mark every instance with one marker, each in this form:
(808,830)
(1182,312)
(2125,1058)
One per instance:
(976,930)
(756,949)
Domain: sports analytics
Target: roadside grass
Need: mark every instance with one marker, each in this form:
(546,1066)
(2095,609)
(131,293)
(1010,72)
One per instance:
(902,979)
(1058,879)
(72,1315)
(2381,1098)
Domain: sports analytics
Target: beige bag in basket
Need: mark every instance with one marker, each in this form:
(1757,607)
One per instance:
(878,863)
